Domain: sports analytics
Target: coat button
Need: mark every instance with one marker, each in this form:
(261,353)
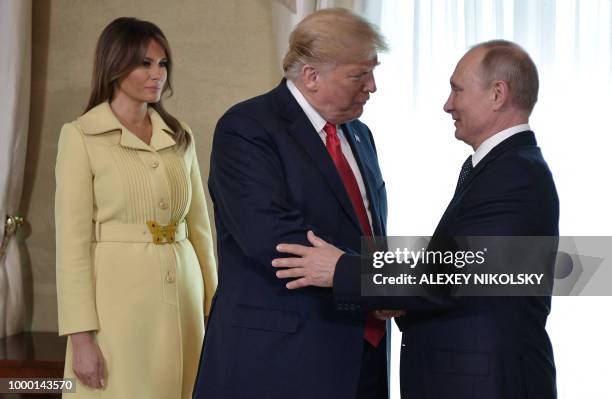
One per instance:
(154,164)
(163,204)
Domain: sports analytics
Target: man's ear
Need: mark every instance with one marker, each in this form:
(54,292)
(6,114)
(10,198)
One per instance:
(500,94)
(309,75)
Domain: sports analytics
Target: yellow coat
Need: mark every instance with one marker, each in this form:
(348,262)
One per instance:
(146,302)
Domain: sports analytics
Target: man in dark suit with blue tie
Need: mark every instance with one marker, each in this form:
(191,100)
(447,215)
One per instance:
(470,347)
(292,160)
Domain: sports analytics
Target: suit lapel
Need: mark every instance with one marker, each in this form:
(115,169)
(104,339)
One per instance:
(305,135)
(518,140)
(362,156)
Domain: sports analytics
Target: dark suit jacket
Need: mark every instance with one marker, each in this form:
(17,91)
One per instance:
(271,180)
(479,347)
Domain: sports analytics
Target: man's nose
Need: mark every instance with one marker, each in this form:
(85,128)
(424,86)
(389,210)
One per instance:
(370,85)
(448,105)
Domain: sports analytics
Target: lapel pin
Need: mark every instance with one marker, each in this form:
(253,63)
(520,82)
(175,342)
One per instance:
(358,139)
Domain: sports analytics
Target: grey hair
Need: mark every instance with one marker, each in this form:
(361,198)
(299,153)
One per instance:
(509,62)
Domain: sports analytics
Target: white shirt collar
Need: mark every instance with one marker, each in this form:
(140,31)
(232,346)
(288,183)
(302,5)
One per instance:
(313,116)
(494,140)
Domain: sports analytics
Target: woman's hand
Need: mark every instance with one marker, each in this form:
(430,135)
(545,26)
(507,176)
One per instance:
(87,359)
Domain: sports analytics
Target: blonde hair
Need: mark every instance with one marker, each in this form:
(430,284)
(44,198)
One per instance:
(331,36)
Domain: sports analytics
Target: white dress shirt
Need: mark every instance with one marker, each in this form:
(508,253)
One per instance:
(494,140)
(318,123)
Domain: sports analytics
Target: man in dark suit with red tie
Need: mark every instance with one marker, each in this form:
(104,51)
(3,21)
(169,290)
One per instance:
(292,160)
(472,347)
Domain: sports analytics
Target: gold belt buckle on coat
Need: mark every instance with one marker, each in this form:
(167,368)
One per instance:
(161,232)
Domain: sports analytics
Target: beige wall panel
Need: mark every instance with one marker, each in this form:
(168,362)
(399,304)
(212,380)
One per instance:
(223,52)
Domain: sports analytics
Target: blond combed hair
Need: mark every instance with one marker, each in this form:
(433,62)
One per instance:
(331,36)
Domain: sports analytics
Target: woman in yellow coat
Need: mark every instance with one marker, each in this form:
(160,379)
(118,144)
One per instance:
(135,264)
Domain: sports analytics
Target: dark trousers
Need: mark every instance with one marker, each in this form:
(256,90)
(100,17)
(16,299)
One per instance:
(373,375)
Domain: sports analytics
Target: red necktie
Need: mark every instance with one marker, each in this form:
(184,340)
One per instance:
(374,328)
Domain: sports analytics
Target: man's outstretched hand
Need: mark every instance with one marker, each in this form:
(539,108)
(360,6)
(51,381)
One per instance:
(312,266)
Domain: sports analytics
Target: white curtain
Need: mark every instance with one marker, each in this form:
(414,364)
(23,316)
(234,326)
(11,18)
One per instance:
(15,56)
(571,43)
